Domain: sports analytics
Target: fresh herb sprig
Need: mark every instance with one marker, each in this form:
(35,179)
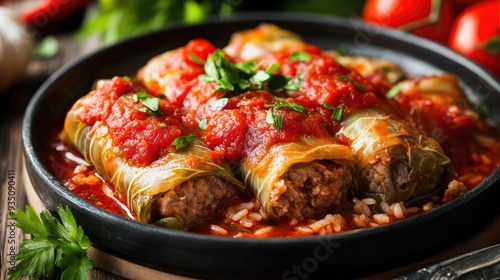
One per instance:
(356,84)
(56,243)
(183,141)
(150,102)
(337,111)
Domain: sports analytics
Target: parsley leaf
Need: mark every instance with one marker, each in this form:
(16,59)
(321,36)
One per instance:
(239,77)
(151,103)
(294,83)
(183,141)
(55,243)
(276,120)
(220,103)
(356,84)
(337,111)
(202,125)
(280,103)
(194,58)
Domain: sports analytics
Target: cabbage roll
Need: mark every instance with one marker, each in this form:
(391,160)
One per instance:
(181,185)
(394,162)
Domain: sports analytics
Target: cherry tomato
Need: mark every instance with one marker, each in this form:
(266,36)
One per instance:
(431,19)
(476,34)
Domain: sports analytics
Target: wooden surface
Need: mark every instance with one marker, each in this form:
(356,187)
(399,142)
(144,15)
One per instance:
(13,192)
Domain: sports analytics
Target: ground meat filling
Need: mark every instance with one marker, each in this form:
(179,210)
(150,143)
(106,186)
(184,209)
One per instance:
(312,188)
(386,177)
(194,201)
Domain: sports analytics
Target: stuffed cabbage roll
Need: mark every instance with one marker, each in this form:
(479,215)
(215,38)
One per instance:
(299,179)
(137,143)
(394,162)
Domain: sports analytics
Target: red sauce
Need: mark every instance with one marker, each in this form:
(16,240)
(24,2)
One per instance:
(142,134)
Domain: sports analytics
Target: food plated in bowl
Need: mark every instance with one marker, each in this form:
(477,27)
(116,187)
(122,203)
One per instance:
(339,148)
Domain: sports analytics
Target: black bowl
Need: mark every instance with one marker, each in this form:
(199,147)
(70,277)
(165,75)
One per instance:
(344,254)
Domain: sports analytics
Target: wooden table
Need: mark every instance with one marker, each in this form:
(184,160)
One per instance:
(13,103)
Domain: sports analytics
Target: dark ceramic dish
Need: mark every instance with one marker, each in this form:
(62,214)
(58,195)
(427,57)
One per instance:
(345,254)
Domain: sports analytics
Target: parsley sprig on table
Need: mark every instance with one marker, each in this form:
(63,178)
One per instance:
(56,243)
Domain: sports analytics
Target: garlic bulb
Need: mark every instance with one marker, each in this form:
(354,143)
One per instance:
(16,45)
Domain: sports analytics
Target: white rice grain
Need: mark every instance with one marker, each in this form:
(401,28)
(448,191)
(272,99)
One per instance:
(218,230)
(369,201)
(428,206)
(246,222)
(385,207)
(381,219)
(263,231)
(240,214)
(360,207)
(246,205)
(303,230)
(255,216)
(397,210)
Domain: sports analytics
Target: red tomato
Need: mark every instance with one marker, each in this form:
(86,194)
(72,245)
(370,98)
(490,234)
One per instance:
(431,19)
(476,34)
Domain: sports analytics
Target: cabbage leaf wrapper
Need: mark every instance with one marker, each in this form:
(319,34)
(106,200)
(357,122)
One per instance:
(394,162)
(287,180)
(144,185)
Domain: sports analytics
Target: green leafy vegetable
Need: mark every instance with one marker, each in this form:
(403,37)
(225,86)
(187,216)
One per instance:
(196,59)
(183,141)
(295,82)
(356,84)
(276,120)
(55,243)
(220,103)
(280,103)
(115,20)
(337,112)
(202,125)
(394,91)
(239,77)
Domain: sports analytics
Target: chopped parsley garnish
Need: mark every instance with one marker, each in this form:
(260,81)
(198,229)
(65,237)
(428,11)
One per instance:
(327,106)
(151,103)
(220,103)
(242,76)
(202,125)
(276,120)
(162,124)
(300,56)
(356,84)
(294,83)
(196,59)
(337,114)
(394,91)
(280,103)
(183,141)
